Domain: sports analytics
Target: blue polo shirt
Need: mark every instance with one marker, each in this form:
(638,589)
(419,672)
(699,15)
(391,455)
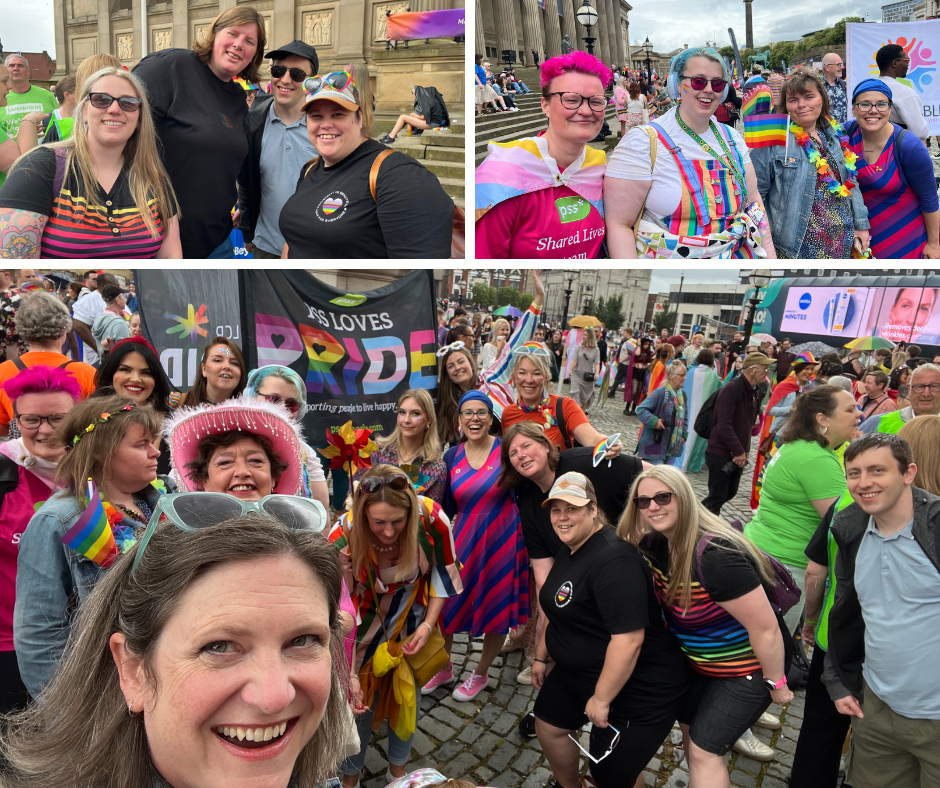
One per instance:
(284,150)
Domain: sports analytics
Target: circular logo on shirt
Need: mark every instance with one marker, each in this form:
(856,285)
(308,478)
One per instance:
(332,207)
(564,593)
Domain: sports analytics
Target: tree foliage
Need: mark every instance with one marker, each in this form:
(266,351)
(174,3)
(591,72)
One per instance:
(612,315)
(664,319)
(482,293)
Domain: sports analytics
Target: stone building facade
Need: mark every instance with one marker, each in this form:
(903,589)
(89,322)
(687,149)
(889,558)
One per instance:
(523,25)
(343,32)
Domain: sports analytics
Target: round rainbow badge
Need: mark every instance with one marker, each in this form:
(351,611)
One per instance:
(603,447)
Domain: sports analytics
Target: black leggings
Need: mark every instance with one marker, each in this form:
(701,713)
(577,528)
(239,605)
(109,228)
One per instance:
(822,734)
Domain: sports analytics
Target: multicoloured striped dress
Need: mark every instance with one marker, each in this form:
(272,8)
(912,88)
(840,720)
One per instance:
(490,547)
(898,230)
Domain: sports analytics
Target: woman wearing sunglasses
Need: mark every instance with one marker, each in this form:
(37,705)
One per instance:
(101,193)
(490,548)
(604,656)
(213,661)
(349,202)
(684,185)
(110,457)
(540,197)
(399,583)
(414,446)
(41,397)
(714,601)
(280,385)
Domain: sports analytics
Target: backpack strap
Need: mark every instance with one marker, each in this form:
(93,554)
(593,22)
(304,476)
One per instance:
(374,172)
(310,165)
(560,420)
(18,362)
(699,552)
(654,149)
(60,157)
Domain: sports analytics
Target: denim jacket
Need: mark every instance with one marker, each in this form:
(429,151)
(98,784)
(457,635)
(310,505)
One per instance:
(51,580)
(787,184)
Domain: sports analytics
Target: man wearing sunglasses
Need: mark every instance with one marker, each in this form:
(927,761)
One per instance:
(278,147)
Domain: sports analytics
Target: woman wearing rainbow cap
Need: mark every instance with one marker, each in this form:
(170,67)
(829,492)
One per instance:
(809,183)
(541,197)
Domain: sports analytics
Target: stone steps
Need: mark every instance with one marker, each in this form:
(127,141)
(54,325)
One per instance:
(441,152)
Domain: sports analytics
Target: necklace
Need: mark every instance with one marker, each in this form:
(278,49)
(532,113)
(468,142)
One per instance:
(475,461)
(823,171)
(388,549)
(143,516)
(728,160)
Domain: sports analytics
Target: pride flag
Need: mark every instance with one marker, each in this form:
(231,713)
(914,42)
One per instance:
(91,536)
(765,131)
(758,101)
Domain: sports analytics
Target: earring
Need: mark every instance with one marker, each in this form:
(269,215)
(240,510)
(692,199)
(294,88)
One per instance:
(825,430)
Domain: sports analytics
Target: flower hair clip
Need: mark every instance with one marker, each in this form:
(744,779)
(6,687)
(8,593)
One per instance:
(458,345)
(102,419)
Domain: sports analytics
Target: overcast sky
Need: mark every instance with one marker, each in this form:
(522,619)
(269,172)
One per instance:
(27,26)
(663,277)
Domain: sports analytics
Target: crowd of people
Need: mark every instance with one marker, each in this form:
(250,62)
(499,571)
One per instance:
(180,570)
(845,175)
(165,160)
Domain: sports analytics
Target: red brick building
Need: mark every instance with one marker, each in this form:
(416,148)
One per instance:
(41,66)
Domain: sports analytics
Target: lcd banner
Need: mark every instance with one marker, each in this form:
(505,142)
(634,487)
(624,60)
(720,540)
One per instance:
(837,311)
(920,40)
(357,352)
(907,314)
(181,311)
(448,23)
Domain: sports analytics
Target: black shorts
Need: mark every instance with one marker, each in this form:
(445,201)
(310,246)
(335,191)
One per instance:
(561,703)
(719,710)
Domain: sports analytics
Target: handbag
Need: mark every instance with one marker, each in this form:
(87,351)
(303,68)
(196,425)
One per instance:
(767,444)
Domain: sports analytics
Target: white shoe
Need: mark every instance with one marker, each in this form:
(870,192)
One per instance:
(524,676)
(769,721)
(753,747)
(509,645)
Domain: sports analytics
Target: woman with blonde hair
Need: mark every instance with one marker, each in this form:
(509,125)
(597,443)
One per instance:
(585,370)
(399,583)
(499,335)
(414,446)
(200,112)
(923,433)
(101,193)
(711,584)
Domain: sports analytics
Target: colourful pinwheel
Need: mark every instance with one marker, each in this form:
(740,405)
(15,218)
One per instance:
(349,449)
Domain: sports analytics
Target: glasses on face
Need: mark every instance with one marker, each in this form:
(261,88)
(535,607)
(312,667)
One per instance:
(104,100)
(474,414)
(33,422)
(881,106)
(575,100)
(662,499)
(337,80)
(610,747)
(296,74)
(920,388)
(194,511)
(397,481)
(699,83)
(291,404)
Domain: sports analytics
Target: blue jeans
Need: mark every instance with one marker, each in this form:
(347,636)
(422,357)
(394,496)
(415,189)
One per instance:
(399,751)
(521,86)
(224,251)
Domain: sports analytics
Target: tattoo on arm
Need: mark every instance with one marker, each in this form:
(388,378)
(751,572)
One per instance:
(20,234)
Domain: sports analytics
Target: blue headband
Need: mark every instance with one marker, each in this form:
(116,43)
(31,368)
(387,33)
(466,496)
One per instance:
(475,394)
(867,85)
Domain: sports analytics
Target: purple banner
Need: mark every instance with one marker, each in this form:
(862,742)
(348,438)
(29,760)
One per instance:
(448,23)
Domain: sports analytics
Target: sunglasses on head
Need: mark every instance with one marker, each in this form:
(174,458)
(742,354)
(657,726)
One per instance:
(337,80)
(104,100)
(193,511)
(396,481)
(296,74)
(662,499)
(291,404)
(699,83)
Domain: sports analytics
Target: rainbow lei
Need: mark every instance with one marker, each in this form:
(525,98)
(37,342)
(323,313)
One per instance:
(823,172)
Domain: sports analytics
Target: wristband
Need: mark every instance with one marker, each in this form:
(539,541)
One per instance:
(543,661)
(775,685)
(811,622)
(27,120)
(426,624)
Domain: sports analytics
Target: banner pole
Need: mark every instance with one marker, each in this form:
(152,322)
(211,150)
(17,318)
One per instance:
(249,345)
(737,57)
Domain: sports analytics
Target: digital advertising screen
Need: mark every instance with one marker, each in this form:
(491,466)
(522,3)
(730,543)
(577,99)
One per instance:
(906,314)
(836,311)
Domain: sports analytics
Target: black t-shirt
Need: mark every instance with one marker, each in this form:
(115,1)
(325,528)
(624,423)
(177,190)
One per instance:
(201,123)
(612,486)
(332,213)
(604,589)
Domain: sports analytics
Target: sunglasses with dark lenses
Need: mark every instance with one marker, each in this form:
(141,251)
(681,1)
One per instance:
(337,80)
(699,83)
(296,74)
(397,481)
(662,499)
(104,100)
(193,511)
(291,404)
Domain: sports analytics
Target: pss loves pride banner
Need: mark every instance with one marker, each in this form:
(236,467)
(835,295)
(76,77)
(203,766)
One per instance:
(448,23)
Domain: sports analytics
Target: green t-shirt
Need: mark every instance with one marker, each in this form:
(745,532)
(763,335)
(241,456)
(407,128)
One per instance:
(786,520)
(3,138)
(19,105)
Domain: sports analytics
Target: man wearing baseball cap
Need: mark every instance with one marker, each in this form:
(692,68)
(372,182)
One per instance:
(729,443)
(278,147)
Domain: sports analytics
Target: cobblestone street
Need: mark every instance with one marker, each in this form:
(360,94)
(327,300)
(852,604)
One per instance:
(480,742)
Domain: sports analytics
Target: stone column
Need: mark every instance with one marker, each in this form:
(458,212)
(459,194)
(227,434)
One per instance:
(552,28)
(105,44)
(532,34)
(61,48)
(507,36)
(569,25)
(348,29)
(479,39)
(613,31)
(748,26)
(282,24)
(600,32)
(182,35)
(140,41)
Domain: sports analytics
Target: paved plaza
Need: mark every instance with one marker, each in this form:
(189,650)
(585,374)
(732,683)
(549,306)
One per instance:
(479,741)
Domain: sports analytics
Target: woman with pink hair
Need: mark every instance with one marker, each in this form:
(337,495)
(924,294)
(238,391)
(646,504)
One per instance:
(542,196)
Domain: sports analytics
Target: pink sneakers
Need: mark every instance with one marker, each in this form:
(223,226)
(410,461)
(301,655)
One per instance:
(472,687)
(445,676)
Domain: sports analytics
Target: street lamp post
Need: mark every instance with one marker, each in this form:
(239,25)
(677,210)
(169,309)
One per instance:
(587,16)
(568,291)
(648,49)
(496,277)
(675,329)
(758,280)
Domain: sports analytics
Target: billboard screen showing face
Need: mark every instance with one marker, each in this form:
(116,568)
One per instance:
(906,314)
(836,311)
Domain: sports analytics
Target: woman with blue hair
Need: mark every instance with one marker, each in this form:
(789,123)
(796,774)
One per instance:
(683,186)
(280,385)
(895,175)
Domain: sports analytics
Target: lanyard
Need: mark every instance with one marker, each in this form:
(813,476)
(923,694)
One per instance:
(710,150)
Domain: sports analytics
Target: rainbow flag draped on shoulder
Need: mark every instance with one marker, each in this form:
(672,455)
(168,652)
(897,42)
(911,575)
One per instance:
(765,131)
(514,168)
(759,100)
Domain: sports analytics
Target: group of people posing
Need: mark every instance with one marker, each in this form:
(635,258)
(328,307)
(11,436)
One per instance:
(686,186)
